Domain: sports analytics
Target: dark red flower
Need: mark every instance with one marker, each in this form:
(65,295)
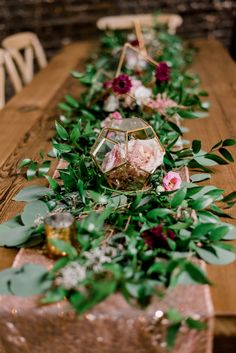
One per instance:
(134,43)
(121,84)
(162,73)
(157,237)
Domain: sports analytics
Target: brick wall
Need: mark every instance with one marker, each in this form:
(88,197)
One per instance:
(60,21)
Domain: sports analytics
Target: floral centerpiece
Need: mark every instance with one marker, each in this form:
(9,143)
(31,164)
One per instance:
(130,241)
(127,151)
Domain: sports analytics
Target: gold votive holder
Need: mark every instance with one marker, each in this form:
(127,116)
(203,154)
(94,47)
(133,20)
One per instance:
(59,226)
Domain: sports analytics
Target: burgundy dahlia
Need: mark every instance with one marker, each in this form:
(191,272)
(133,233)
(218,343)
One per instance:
(121,84)
(157,237)
(134,43)
(162,73)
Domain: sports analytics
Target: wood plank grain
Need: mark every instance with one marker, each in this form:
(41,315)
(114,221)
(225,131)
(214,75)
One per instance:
(218,74)
(32,114)
(25,109)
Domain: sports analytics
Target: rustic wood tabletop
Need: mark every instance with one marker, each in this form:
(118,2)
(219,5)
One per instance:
(27,124)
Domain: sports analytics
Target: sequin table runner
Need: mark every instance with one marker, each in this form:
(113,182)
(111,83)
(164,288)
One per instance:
(113,326)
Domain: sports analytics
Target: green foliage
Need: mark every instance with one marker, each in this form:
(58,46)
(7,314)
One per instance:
(32,193)
(32,211)
(120,221)
(14,236)
(28,280)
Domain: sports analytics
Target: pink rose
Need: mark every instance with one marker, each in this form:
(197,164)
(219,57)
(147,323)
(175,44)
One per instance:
(107,122)
(145,154)
(116,115)
(111,103)
(172,181)
(161,103)
(142,154)
(139,92)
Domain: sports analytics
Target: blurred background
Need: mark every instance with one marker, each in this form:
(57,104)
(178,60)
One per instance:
(59,22)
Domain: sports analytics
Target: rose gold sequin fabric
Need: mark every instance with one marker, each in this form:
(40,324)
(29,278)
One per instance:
(113,326)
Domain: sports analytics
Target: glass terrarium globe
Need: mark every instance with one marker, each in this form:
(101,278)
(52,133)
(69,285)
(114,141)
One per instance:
(127,152)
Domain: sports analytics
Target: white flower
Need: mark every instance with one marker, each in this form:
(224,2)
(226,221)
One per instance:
(38,221)
(131,37)
(142,94)
(111,103)
(71,275)
(135,61)
(159,189)
(99,256)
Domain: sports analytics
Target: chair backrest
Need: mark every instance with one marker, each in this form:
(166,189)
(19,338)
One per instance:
(24,47)
(172,21)
(7,66)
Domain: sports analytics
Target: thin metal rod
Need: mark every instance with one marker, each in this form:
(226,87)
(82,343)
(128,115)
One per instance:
(139,35)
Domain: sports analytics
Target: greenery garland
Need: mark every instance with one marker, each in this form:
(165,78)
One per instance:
(130,241)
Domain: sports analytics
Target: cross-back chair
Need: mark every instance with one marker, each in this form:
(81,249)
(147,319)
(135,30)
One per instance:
(24,47)
(7,67)
(172,21)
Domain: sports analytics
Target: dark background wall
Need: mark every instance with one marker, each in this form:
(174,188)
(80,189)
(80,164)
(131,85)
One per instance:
(59,21)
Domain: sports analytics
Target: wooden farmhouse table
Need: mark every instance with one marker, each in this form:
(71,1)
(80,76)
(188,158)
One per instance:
(27,124)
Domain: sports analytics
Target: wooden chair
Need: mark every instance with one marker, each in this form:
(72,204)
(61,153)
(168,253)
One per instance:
(172,21)
(24,47)
(7,66)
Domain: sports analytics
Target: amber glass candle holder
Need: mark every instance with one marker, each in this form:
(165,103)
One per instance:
(59,226)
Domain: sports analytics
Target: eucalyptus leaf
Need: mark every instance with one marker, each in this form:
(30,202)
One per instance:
(13,222)
(32,211)
(5,279)
(30,279)
(14,236)
(222,256)
(32,193)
